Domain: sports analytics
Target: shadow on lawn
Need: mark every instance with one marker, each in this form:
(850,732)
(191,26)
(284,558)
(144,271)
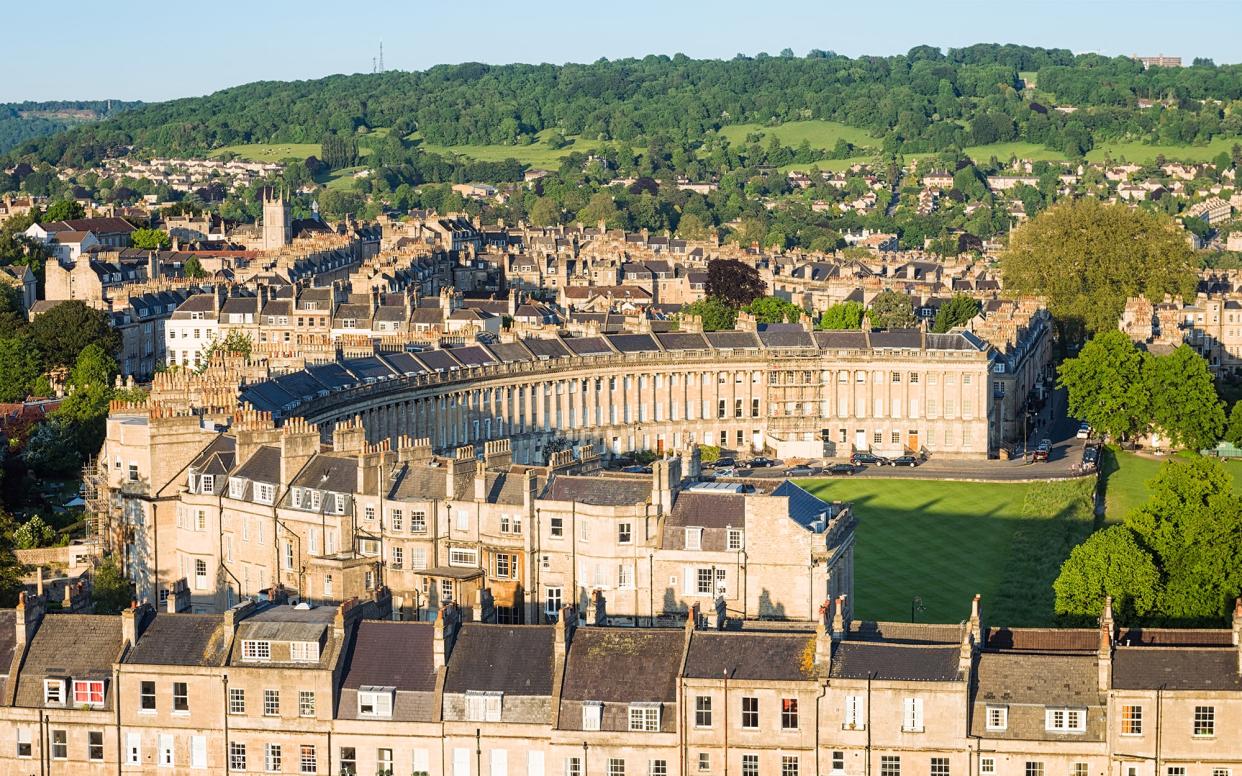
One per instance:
(1010,554)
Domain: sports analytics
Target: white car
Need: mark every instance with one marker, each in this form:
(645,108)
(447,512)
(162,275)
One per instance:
(1084,431)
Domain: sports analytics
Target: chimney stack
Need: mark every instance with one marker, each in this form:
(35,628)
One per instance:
(29,613)
(1104,651)
(840,623)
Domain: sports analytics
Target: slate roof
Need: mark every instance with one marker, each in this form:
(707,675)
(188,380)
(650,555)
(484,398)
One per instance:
(420,482)
(1176,637)
(1037,679)
(546,348)
(391,654)
(732,340)
(516,660)
(859,660)
(338,474)
(841,340)
(586,346)
(633,343)
(181,640)
(683,341)
(904,632)
(603,663)
(911,339)
(785,335)
(751,656)
(599,491)
(263,466)
(77,646)
(708,510)
(1148,668)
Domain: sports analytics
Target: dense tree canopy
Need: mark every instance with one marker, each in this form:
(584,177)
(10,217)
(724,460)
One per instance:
(734,282)
(62,332)
(843,315)
(909,103)
(1189,532)
(891,310)
(1087,258)
(955,312)
(1121,391)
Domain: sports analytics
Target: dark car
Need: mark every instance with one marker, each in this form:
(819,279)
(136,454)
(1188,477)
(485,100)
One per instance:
(1091,456)
(761,463)
(637,470)
(724,463)
(1043,451)
(802,471)
(904,460)
(861,458)
(839,469)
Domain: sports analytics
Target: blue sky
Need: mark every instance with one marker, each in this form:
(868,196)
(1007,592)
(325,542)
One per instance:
(140,49)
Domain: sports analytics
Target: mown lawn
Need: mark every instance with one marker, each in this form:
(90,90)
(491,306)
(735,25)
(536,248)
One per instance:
(1140,153)
(1125,477)
(945,541)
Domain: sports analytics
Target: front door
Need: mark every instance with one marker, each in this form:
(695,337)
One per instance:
(912,441)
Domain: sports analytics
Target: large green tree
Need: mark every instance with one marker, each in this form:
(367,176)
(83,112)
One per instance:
(1109,563)
(892,310)
(1184,404)
(1086,258)
(110,590)
(19,368)
(62,332)
(955,312)
(773,309)
(715,314)
(843,315)
(1106,386)
(150,239)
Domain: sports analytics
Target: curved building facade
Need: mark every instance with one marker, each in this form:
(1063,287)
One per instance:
(800,393)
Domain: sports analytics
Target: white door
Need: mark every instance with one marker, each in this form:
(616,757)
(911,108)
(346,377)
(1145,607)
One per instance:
(461,762)
(198,752)
(500,762)
(534,764)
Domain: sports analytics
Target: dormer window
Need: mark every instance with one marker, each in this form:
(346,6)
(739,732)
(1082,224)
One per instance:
(264,493)
(207,483)
(694,538)
(375,701)
(304,651)
(645,717)
(237,488)
(53,692)
(592,713)
(257,650)
(483,706)
(88,692)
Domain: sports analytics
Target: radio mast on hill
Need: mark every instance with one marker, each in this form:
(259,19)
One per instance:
(377,63)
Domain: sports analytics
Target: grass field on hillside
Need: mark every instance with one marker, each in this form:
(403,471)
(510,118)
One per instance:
(270,152)
(1140,153)
(1023,150)
(945,541)
(820,134)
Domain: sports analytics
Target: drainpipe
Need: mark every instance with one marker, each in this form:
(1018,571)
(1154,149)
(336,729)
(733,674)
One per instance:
(1159,709)
(818,703)
(116,702)
(224,678)
(726,722)
(870,676)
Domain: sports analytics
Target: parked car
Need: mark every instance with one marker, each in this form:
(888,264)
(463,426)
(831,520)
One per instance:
(802,471)
(839,469)
(724,471)
(861,458)
(1091,456)
(724,463)
(1084,431)
(761,463)
(904,460)
(637,469)
(1042,451)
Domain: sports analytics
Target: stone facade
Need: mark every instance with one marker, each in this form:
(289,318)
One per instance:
(272,688)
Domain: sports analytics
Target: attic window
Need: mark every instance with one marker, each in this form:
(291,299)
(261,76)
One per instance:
(694,538)
(375,701)
(257,650)
(207,483)
(88,692)
(645,717)
(54,692)
(236,488)
(483,706)
(592,711)
(304,651)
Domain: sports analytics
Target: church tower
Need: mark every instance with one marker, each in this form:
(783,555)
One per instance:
(277,221)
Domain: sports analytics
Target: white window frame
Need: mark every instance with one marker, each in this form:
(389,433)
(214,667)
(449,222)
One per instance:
(379,700)
(996,718)
(256,650)
(644,717)
(592,715)
(1065,720)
